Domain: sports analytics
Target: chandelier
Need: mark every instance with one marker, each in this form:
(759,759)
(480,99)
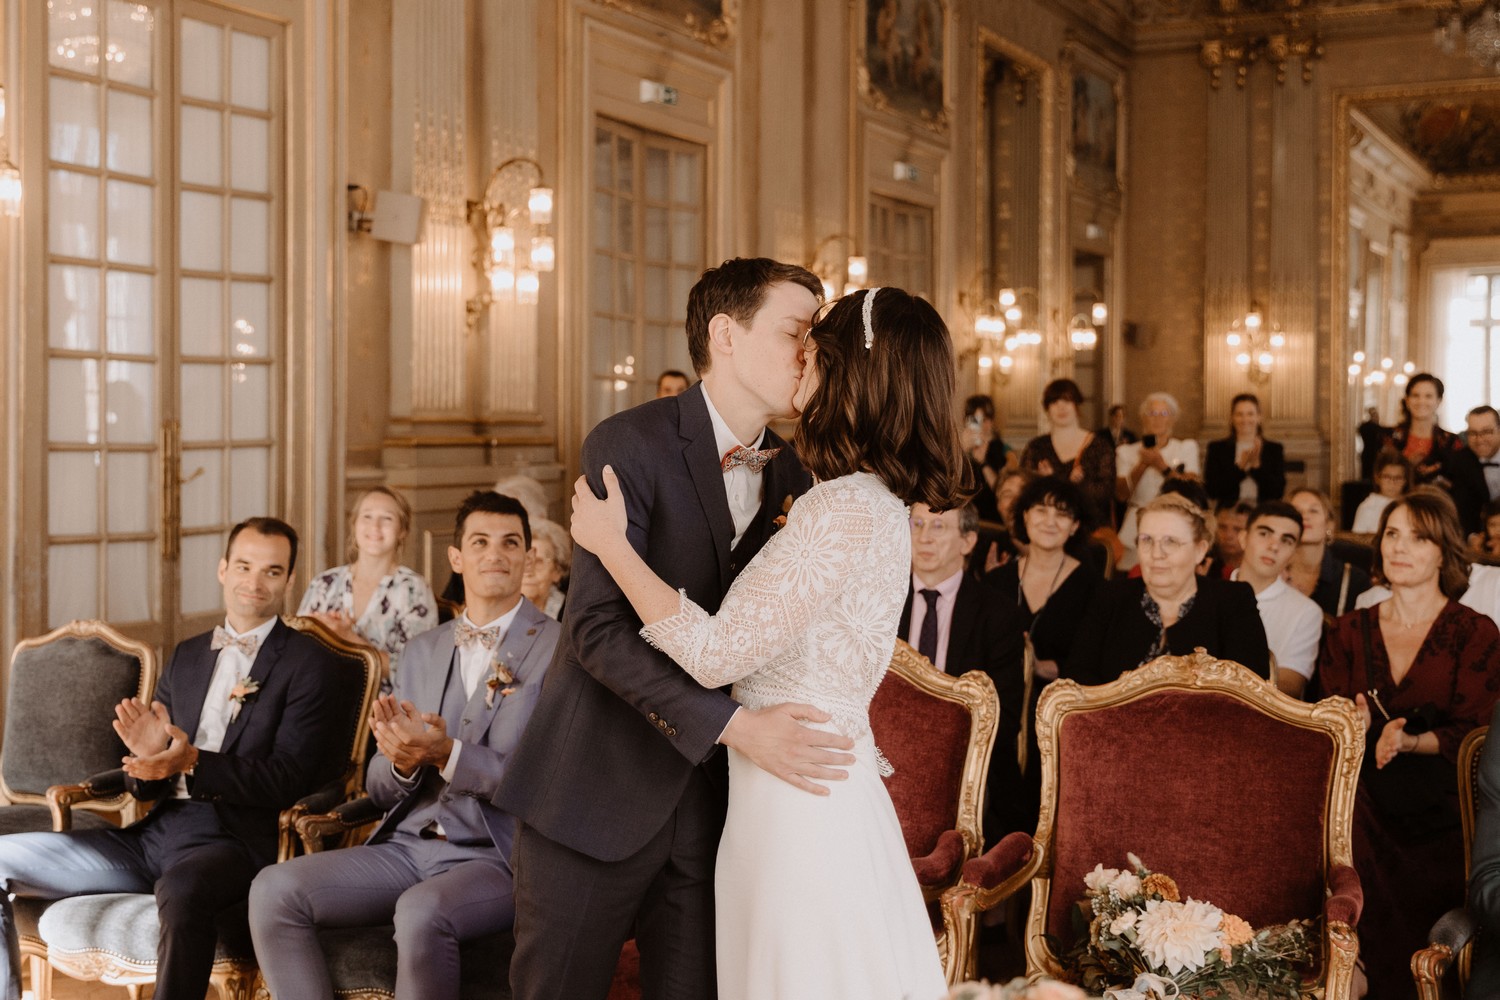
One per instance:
(1474,31)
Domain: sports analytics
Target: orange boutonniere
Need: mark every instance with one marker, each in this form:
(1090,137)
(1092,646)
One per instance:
(243,691)
(501,681)
(786,508)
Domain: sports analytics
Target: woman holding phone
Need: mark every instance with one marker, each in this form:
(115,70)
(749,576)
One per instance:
(1145,464)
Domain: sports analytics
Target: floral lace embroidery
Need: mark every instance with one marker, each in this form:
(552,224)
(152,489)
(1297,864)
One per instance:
(813,617)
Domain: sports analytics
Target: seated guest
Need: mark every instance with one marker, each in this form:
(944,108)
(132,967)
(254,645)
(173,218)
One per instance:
(1418,438)
(1244,466)
(374,599)
(1371,436)
(1230,525)
(1072,453)
(551,554)
(1392,482)
(1421,668)
(671,383)
(1170,608)
(1001,546)
(1475,471)
(1144,466)
(1052,586)
(961,624)
(1487,543)
(243,725)
(1293,622)
(438,865)
(988,454)
(1331,582)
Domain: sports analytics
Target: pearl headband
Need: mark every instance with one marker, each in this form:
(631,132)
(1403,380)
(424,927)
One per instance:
(869,307)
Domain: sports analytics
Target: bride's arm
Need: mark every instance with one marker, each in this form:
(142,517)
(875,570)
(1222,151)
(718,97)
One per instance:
(772,601)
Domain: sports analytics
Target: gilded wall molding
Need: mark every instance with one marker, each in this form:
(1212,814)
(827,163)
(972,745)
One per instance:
(679,15)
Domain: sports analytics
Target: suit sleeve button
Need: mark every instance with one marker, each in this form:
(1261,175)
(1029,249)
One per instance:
(671,731)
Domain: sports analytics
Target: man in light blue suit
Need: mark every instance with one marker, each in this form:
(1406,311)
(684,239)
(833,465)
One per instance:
(438,865)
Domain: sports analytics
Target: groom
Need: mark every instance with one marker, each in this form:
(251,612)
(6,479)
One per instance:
(619,782)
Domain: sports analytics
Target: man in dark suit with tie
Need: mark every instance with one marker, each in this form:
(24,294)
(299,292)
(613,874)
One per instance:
(618,782)
(438,865)
(242,726)
(1475,470)
(960,624)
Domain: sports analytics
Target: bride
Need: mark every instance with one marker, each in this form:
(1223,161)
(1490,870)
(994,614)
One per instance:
(815,895)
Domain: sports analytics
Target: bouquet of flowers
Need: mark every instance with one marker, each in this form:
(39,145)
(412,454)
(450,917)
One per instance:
(1139,940)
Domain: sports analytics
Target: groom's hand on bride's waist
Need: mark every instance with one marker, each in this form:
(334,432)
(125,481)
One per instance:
(777,741)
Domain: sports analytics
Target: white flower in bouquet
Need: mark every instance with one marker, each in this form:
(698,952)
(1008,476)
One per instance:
(1178,936)
(1124,922)
(1100,878)
(1127,885)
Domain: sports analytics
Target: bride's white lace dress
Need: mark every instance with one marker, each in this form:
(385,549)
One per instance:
(816,897)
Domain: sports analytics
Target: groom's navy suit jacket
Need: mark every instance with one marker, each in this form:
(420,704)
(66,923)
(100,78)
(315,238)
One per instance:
(620,727)
(283,744)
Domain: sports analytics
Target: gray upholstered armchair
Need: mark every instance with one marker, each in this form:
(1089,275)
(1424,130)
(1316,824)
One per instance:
(112,937)
(61,700)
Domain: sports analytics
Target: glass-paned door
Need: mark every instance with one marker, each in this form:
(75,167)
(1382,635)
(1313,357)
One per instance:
(164,279)
(649,248)
(901,245)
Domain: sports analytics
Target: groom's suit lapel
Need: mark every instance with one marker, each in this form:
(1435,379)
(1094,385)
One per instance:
(701,453)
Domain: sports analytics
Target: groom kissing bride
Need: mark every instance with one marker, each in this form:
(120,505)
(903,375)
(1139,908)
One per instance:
(619,783)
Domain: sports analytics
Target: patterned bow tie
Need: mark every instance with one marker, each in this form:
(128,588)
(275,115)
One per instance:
(750,458)
(465,633)
(246,644)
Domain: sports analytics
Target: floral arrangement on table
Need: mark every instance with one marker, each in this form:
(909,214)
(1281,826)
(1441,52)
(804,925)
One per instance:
(1139,940)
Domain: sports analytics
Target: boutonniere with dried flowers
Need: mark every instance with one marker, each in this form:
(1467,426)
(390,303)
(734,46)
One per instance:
(786,508)
(500,681)
(243,691)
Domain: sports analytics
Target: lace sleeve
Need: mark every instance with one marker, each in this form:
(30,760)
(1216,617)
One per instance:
(778,595)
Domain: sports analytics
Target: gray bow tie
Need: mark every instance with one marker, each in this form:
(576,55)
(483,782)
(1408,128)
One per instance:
(246,644)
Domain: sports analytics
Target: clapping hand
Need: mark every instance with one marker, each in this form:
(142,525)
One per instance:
(599,523)
(1251,458)
(1152,458)
(143,730)
(179,756)
(408,738)
(1393,740)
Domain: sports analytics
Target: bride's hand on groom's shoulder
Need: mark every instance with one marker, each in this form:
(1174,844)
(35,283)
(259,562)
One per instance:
(777,741)
(598,522)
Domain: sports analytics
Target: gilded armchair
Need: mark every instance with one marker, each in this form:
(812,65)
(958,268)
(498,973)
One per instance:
(1200,767)
(60,701)
(1450,943)
(112,937)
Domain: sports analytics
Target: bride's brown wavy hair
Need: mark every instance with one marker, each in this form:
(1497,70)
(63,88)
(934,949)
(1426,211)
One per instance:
(888,409)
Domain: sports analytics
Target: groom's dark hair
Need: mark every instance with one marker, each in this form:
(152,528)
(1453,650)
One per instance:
(737,288)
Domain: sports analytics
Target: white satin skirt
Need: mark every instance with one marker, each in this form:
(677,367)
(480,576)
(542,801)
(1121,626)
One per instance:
(816,897)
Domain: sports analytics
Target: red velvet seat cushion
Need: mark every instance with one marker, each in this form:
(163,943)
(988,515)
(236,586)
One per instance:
(925,738)
(1228,801)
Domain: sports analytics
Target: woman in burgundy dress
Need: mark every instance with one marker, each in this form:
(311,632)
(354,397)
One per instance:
(1423,670)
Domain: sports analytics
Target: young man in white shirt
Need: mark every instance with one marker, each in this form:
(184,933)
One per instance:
(1293,621)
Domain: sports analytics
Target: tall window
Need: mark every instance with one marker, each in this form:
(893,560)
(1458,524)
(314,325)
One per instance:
(164,281)
(901,245)
(1468,340)
(649,249)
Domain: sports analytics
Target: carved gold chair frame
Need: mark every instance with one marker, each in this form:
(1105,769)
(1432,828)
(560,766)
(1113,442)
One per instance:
(1335,717)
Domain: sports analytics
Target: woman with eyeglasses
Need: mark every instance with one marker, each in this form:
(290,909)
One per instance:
(1423,671)
(1144,465)
(1169,608)
(547,567)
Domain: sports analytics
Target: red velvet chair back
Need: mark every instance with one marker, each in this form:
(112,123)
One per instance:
(935,729)
(1206,773)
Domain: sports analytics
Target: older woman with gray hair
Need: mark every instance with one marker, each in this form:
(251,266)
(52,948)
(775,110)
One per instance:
(547,568)
(1144,465)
